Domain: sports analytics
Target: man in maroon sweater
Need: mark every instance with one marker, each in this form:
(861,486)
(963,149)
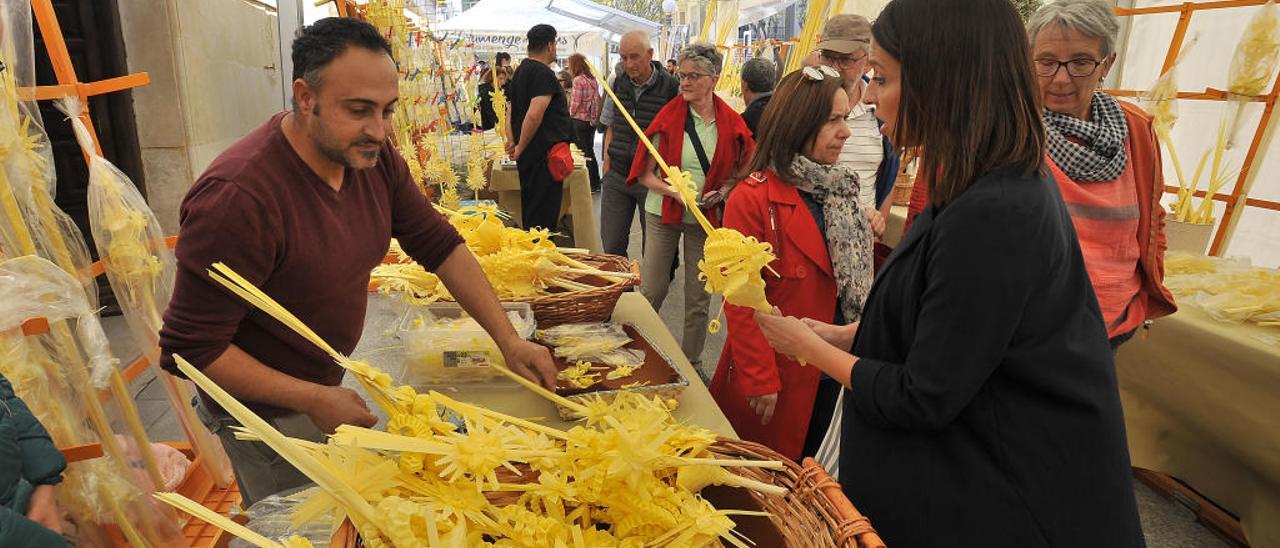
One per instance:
(304,207)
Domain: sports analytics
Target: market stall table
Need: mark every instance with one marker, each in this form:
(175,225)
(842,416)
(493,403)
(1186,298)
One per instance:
(505,182)
(695,404)
(1201,405)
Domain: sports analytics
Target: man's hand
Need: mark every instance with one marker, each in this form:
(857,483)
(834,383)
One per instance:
(516,152)
(333,406)
(604,162)
(43,509)
(510,147)
(764,406)
(531,361)
(839,336)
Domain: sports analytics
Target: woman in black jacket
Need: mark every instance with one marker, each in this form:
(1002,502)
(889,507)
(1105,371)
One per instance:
(981,406)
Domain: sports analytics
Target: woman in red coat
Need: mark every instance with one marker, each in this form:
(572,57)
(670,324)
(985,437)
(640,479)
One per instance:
(806,206)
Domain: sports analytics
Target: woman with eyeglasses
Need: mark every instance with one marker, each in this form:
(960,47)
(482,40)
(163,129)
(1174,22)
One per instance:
(981,406)
(798,197)
(699,133)
(1106,159)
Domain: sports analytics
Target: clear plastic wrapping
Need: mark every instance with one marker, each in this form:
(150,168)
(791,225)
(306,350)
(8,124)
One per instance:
(270,517)
(444,346)
(53,376)
(1230,289)
(140,267)
(592,342)
(33,224)
(32,287)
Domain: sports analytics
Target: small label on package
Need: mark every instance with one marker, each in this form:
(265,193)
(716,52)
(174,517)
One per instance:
(466,359)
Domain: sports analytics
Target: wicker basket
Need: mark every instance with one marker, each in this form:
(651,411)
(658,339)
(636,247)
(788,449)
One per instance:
(590,305)
(902,188)
(814,513)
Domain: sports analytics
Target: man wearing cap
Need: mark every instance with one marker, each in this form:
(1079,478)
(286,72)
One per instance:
(843,45)
(539,120)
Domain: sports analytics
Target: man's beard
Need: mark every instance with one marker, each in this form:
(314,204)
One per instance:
(337,153)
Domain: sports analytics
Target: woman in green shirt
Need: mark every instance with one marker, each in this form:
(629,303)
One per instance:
(699,133)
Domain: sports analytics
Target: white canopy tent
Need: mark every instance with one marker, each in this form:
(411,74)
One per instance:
(612,21)
(502,24)
(583,26)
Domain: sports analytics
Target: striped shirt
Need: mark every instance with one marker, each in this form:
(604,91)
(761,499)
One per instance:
(1106,218)
(863,151)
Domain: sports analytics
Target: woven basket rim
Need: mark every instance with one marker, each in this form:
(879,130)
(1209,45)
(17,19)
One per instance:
(621,264)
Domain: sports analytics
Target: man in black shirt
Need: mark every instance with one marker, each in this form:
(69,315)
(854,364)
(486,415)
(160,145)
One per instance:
(758,80)
(539,119)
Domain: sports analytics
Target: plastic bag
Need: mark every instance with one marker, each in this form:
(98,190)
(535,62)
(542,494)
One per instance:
(444,347)
(129,239)
(593,342)
(270,517)
(140,267)
(33,223)
(32,287)
(1253,65)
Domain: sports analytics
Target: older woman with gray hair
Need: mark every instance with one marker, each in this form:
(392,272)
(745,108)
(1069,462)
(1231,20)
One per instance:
(699,133)
(1105,158)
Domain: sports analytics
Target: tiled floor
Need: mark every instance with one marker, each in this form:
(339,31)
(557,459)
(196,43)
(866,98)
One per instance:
(1165,523)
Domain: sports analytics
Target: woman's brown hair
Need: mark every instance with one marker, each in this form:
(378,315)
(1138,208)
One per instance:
(578,65)
(968,97)
(799,108)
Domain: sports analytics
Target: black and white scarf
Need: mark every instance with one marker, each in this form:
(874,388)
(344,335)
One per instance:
(848,234)
(1101,157)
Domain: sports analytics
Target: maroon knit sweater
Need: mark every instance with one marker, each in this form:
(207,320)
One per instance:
(261,210)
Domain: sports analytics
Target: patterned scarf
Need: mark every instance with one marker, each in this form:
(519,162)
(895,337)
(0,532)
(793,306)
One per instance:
(848,234)
(1101,157)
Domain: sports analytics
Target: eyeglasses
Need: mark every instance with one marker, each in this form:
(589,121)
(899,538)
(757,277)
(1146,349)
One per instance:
(842,61)
(818,74)
(1076,68)
(692,76)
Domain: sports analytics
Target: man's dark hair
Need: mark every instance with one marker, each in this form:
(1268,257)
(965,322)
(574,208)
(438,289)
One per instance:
(541,36)
(500,57)
(318,44)
(758,75)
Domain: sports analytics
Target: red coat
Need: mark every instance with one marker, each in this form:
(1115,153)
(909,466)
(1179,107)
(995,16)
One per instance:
(770,210)
(734,147)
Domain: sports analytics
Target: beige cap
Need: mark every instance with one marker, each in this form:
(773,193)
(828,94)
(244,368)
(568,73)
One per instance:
(845,33)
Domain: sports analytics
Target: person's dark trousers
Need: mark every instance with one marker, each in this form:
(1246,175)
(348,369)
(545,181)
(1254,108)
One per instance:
(584,135)
(540,195)
(619,204)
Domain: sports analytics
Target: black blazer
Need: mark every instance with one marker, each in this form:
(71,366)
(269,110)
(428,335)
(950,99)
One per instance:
(984,409)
